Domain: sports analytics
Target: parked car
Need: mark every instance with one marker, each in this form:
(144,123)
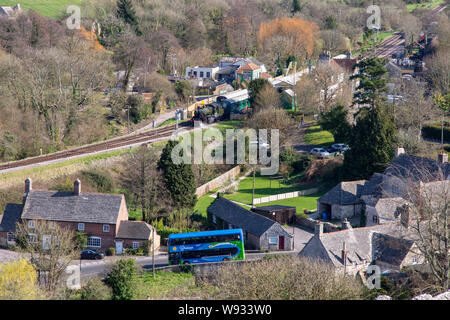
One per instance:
(330,149)
(91,255)
(320,152)
(341,147)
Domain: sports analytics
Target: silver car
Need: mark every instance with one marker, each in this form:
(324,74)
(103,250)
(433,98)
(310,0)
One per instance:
(320,152)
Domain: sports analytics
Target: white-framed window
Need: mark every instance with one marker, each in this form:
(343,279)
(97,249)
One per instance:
(10,237)
(31,224)
(32,238)
(106,228)
(46,241)
(135,245)
(95,242)
(375,219)
(273,240)
(81,227)
(414,260)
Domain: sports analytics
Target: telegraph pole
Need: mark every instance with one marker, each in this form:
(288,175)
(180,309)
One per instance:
(153,252)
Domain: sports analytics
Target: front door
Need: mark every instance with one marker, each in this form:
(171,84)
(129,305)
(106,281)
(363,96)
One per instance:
(119,247)
(281,243)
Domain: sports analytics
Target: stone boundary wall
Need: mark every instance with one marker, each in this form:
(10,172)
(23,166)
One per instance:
(218,182)
(310,224)
(288,195)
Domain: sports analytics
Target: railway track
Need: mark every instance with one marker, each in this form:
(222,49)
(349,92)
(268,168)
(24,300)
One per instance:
(388,46)
(145,137)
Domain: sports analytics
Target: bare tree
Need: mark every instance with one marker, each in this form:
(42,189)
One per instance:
(327,78)
(414,108)
(430,225)
(52,249)
(267,97)
(145,182)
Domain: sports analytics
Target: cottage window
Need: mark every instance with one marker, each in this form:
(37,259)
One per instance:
(375,219)
(81,227)
(32,238)
(95,242)
(414,260)
(273,240)
(201,74)
(106,228)
(10,237)
(208,74)
(31,224)
(135,245)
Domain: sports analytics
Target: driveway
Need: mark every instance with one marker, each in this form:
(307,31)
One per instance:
(301,236)
(8,255)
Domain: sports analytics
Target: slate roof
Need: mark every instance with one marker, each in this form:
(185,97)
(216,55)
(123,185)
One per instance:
(138,230)
(374,186)
(10,217)
(390,249)
(345,193)
(411,167)
(388,208)
(65,206)
(360,245)
(240,217)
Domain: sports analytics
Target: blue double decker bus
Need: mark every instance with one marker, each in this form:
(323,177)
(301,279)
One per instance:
(206,246)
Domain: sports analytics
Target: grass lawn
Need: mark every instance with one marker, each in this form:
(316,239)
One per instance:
(263,187)
(166,285)
(50,8)
(203,203)
(301,203)
(317,137)
(433,4)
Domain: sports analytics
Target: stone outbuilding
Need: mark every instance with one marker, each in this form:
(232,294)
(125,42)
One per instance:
(342,201)
(260,233)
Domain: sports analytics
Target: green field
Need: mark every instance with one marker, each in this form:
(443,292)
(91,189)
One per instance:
(203,203)
(317,137)
(301,203)
(49,8)
(432,4)
(264,186)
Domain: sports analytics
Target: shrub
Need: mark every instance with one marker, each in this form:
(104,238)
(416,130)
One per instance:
(101,180)
(283,278)
(111,251)
(121,279)
(434,132)
(80,238)
(95,289)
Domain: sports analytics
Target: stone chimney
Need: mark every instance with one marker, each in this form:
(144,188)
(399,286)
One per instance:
(318,229)
(399,151)
(442,157)
(344,254)
(28,185)
(404,216)
(77,187)
(346,224)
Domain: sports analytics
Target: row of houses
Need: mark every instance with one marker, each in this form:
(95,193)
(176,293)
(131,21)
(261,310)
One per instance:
(387,239)
(230,69)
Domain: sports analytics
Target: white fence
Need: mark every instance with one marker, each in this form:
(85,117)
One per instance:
(288,195)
